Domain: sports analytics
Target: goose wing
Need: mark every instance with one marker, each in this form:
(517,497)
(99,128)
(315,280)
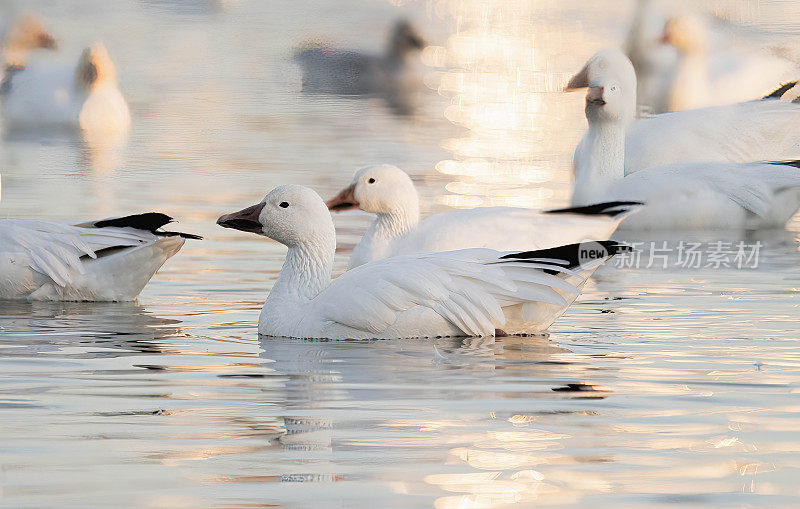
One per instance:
(744,132)
(507,228)
(56,249)
(468,288)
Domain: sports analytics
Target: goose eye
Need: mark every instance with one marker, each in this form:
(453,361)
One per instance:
(284,204)
(371,181)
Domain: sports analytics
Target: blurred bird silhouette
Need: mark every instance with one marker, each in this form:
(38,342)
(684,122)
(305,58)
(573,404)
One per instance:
(683,61)
(394,75)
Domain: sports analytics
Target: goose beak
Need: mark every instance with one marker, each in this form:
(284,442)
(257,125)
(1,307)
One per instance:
(245,220)
(580,80)
(47,41)
(345,200)
(595,96)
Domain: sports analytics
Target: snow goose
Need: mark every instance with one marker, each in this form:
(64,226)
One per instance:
(388,192)
(334,71)
(108,260)
(743,132)
(654,61)
(694,195)
(456,293)
(710,79)
(25,35)
(85,96)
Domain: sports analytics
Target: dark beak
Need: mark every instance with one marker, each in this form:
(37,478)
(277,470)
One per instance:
(345,200)
(245,220)
(47,41)
(416,41)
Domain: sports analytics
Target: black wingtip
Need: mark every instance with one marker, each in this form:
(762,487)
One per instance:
(610,208)
(778,92)
(179,234)
(149,221)
(795,163)
(571,256)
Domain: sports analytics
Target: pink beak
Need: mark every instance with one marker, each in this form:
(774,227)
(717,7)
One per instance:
(345,200)
(580,80)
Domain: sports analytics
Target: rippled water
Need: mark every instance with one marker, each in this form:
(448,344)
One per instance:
(657,387)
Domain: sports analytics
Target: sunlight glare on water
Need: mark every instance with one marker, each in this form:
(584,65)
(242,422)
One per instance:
(659,386)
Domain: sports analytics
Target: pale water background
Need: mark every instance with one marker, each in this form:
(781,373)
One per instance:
(657,387)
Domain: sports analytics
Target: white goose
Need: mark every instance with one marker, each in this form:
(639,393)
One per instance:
(743,132)
(703,79)
(109,260)
(699,195)
(654,61)
(457,293)
(388,192)
(334,71)
(85,96)
(25,35)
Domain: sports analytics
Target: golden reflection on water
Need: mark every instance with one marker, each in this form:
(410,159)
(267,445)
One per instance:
(495,86)
(506,64)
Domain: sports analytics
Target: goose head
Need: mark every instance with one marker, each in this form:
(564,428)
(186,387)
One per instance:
(687,33)
(95,68)
(611,83)
(405,40)
(27,34)
(290,214)
(381,189)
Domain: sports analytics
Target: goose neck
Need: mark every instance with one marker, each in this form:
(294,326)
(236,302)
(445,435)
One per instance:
(604,164)
(305,272)
(396,223)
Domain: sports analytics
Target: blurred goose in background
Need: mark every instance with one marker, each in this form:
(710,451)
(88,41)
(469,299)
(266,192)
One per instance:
(457,293)
(691,195)
(703,78)
(84,96)
(336,71)
(23,36)
(744,132)
(655,62)
(109,260)
(388,192)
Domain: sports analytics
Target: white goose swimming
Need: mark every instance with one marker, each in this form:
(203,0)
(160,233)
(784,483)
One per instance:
(696,195)
(744,132)
(334,71)
(456,293)
(388,192)
(109,260)
(84,96)
(703,78)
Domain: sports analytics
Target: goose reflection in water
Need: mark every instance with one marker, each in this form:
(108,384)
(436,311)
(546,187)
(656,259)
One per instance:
(94,329)
(339,393)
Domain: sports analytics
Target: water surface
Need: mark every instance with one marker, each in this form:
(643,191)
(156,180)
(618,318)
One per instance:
(659,386)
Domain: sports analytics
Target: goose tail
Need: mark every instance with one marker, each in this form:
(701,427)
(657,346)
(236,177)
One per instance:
(574,263)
